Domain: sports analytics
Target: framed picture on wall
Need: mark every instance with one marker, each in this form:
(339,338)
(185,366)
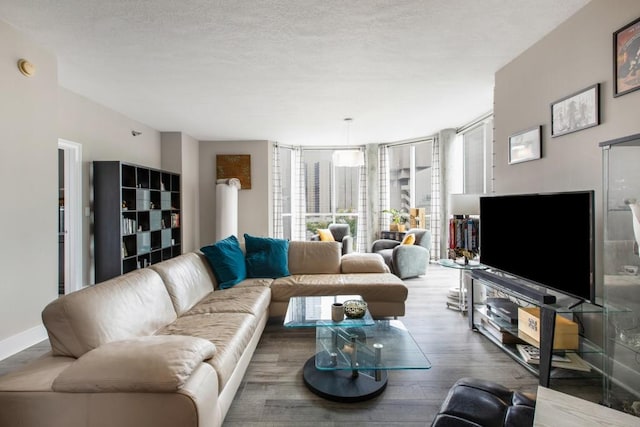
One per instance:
(525,145)
(234,166)
(626,59)
(577,111)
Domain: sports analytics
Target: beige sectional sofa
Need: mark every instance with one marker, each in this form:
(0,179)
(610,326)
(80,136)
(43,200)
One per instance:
(163,346)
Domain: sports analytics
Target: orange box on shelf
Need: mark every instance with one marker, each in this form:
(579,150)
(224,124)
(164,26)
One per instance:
(417,218)
(565,336)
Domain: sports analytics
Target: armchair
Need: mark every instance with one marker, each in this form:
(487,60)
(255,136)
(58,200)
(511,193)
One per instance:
(406,260)
(341,233)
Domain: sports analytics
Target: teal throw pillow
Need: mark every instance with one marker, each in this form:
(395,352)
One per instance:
(266,257)
(227,261)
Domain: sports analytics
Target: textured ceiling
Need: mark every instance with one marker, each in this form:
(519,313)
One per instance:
(287,70)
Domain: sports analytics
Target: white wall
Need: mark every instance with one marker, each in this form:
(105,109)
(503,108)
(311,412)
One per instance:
(104,135)
(29,177)
(572,57)
(180,155)
(190,194)
(254,205)
(35,113)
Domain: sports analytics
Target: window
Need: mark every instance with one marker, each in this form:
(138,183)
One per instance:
(476,157)
(331,192)
(410,177)
(474,165)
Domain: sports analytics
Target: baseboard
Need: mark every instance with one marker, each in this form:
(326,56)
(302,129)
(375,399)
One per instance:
(25,339)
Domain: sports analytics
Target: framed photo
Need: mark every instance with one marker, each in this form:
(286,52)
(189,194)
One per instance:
(234,166)
(525,145)
(576,112)
(626,59)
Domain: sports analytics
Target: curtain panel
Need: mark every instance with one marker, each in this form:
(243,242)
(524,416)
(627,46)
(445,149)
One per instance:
(278,229)
(362,238)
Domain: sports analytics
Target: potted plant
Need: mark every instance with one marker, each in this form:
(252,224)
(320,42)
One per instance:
(398,219)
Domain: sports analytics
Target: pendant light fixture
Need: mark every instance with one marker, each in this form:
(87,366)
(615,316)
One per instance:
(349,157)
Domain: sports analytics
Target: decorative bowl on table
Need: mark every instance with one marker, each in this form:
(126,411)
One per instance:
(355,308)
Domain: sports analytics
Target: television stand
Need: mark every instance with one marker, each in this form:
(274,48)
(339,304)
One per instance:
(587,355)
(516,286)
(575,304)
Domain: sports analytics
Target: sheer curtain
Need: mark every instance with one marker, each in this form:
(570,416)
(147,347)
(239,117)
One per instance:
(361,245)
(435,200)
(383,174)
(299,201)
(278,231)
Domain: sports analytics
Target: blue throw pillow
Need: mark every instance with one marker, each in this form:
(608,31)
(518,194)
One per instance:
(266,257)
(227,261)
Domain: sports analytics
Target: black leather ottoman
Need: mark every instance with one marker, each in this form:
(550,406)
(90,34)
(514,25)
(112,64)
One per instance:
(475,402)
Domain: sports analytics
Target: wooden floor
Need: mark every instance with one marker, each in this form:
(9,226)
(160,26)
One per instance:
(273,394)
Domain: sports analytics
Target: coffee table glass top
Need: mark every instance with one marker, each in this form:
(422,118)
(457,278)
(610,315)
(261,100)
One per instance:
(386,345)
(314,311)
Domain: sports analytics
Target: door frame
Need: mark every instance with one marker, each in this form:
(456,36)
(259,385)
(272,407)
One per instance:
(72,215)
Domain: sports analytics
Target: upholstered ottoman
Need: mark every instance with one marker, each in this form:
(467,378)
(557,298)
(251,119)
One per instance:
(475,402)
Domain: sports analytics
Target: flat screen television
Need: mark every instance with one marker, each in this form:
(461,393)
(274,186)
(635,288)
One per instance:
(547,239)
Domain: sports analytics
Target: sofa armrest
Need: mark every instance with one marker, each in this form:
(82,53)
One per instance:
(381,244)
(160,363)
(347,245)
(409,260)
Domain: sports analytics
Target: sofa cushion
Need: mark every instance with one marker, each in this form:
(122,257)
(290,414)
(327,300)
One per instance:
(230,332)
(325,235)
(146,364)
(188,279)
(408,239)
(363,263)
(227,261)
(255,283)
(314,257)
(266,257)
(253,300)
(371,286)
(133,305)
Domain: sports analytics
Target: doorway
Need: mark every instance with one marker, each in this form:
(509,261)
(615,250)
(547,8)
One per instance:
(69,216)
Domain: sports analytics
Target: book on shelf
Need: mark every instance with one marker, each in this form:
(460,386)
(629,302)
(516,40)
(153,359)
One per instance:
(500,334)
(495,321)
(455,305)
(532,353)
(454,301)
(128,225)
(569,360)
(463,233)
(455,292)
(175,220)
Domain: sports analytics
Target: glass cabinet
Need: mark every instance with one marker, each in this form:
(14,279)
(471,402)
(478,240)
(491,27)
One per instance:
(621,268)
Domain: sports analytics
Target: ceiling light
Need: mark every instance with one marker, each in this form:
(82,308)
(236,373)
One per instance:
(348,158)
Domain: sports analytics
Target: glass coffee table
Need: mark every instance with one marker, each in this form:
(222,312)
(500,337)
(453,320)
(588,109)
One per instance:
(352,356)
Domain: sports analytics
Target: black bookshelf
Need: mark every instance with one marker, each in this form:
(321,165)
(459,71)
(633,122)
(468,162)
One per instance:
(136,217)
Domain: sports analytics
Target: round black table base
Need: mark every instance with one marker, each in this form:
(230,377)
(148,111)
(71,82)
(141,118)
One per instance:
(339,385)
